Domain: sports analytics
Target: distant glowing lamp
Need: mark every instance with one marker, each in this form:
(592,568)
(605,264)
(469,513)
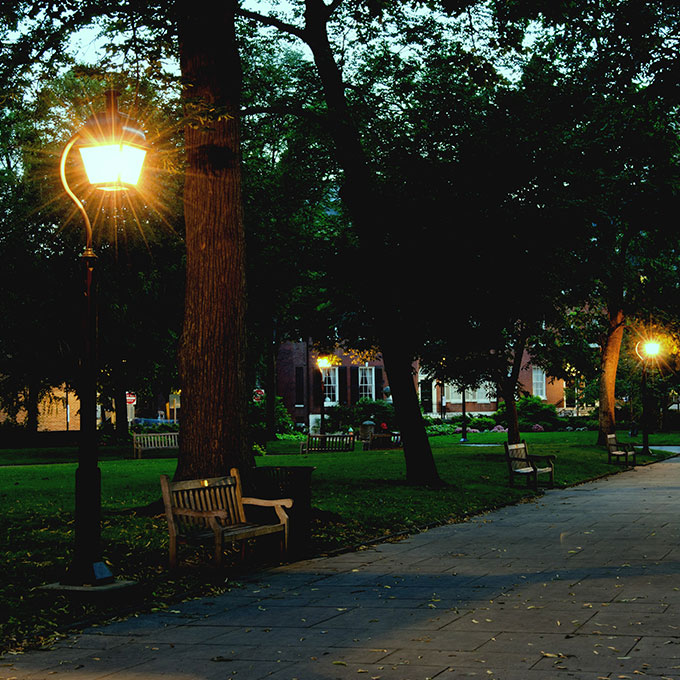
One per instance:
(323,362)
(648,349)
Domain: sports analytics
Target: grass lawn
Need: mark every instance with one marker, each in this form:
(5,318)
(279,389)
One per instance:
(358,495)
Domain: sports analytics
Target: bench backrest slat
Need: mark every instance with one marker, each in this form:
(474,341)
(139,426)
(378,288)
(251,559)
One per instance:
(517,455)
(330,442)
(218,493)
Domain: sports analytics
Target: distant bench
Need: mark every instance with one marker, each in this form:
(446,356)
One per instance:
(383,440)
(154,440)
(327,442)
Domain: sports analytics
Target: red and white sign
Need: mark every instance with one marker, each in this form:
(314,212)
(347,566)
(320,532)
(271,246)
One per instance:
(131,398)
(258,395)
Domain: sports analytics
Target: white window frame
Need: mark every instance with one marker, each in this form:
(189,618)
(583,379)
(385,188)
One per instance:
(368,385)
(539,383)
(453,394)
(329,382)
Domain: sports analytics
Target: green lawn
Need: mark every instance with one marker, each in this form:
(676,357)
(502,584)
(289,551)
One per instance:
(358,496)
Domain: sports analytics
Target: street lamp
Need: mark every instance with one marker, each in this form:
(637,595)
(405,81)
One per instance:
(322,363)
(647,350)
(112,147)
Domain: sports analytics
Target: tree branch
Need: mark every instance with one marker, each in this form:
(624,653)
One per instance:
(272,21)
(286,111)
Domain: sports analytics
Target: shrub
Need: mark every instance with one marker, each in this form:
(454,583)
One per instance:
(257,418)
(532,411)
(340,418)
(482,422)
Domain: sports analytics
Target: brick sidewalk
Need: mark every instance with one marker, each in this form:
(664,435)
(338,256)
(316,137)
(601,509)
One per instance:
(580,583)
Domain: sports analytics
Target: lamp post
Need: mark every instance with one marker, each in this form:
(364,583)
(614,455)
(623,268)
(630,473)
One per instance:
(322,363)
(646,351)
(112,147)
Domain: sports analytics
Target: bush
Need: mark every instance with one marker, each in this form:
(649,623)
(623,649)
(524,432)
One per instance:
(441,429)
(340,418)
(257,411)
(532,411)
(482,423)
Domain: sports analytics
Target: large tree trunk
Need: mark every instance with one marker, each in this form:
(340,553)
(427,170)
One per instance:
(420,465)
(508,385)
(360,198)
(609,363)
(213,434)
(32,405)
(120,400)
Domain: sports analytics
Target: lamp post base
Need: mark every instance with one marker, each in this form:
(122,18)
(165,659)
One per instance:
(115,589)
(88,574)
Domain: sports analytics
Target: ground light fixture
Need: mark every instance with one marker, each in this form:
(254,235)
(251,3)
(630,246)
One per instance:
(647,351)
(112,148)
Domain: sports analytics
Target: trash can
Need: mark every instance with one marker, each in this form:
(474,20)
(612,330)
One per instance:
(366,429)
(295,481)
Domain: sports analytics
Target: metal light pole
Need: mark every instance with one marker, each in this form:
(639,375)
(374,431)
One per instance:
(112,147)
(321,363)
(646,351)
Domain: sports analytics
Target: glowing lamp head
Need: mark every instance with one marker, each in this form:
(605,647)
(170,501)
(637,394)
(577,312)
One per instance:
(113,148)
(651,348)
(323,362)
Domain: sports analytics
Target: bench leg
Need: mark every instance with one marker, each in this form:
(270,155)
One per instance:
(172,549)
(219,548)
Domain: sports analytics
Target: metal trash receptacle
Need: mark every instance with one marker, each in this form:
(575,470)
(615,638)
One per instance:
(294,481)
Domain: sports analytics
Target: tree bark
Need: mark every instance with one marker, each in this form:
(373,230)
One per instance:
(609,362)
(213,433)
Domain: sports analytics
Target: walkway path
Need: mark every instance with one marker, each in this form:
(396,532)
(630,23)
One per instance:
(581,583)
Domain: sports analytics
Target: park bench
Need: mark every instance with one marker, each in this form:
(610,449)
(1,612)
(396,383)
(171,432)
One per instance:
(327,442)
(154,440)
(521,464)
(382,440)
(619,452)
(200,510)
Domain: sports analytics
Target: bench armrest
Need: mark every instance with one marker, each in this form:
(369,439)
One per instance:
(205,514)
(285,502)
(279,504)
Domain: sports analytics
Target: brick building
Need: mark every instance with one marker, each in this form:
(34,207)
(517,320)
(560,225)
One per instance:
(351,377)
(58,411)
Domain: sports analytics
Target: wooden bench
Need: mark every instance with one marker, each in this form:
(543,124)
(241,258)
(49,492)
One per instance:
(383,440)
(213,509)
(154,440)
(617,453)
(521,464)
(327,442)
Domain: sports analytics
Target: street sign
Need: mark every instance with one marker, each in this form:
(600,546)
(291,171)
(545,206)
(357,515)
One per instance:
(131,398)
(258,395)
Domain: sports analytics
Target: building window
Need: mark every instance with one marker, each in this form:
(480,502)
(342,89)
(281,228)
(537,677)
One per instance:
(330,385)
(481,395)
(366,382)
(538,383)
